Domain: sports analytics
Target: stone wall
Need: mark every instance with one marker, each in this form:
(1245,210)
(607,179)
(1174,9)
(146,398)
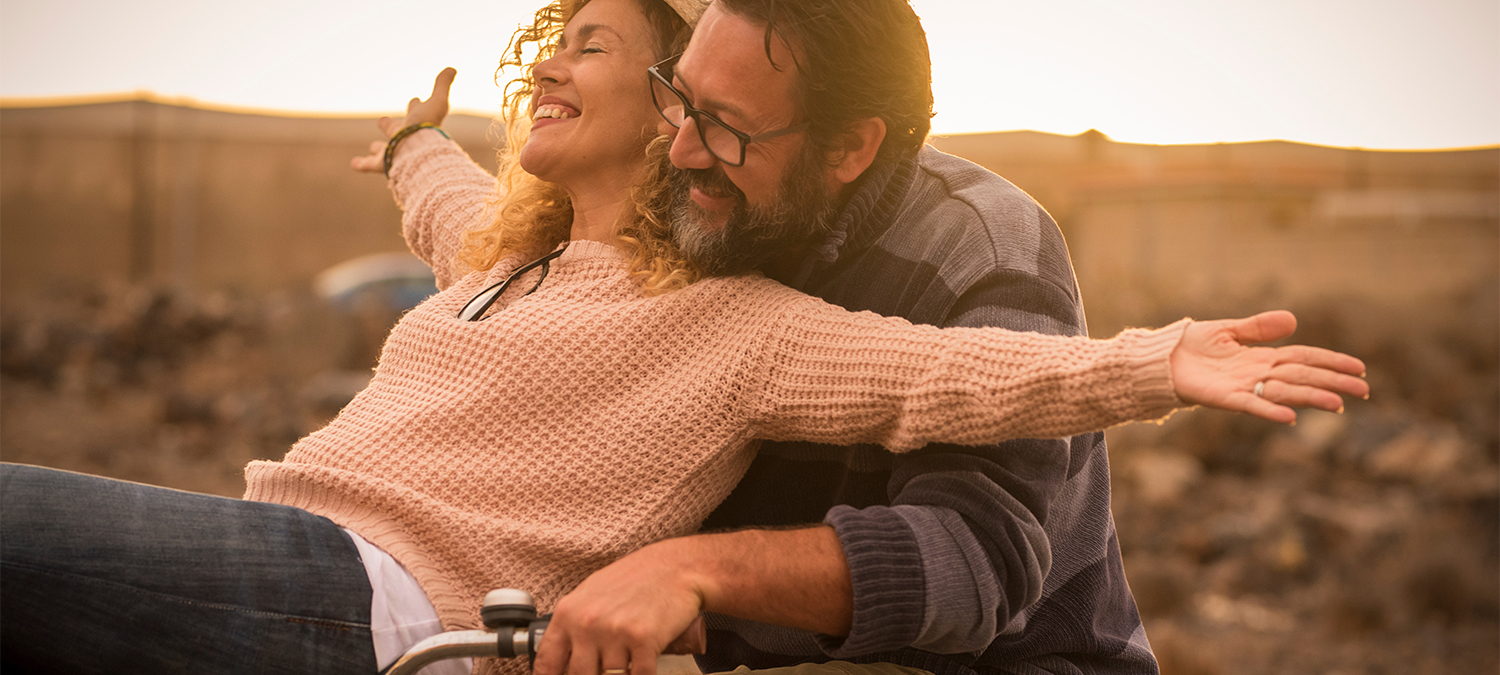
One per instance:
(159,194)
(172,195)
(1257,225)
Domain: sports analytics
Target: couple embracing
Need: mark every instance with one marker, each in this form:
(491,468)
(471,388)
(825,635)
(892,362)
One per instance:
(723,336)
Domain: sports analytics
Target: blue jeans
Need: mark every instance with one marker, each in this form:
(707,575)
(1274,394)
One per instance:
(105,576)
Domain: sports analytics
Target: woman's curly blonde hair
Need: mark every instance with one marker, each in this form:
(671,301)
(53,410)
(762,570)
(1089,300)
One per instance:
(532,216)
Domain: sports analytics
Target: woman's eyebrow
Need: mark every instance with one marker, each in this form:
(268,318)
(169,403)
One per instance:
(587,30)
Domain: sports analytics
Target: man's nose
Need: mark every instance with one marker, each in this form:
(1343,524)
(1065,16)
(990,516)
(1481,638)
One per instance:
(688,150)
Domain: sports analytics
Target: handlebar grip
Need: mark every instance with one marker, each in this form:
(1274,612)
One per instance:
(694,640)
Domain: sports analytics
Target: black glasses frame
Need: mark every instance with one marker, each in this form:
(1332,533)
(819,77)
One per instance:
(654,76)
(487,297)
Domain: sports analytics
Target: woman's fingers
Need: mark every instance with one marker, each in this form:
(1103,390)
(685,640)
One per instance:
(373,162)
(388,126)
(1332,381)
(433,110)
(1301,396)
(1261,407)
(1299,386)
(442,85)
(1321,358)
(1295,385)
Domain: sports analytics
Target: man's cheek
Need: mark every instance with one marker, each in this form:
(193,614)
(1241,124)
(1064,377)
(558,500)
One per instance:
(755,193)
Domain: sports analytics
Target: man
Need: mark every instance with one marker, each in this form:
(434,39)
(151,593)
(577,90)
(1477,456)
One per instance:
(952,560)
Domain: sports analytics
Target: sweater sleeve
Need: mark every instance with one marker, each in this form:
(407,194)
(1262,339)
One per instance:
(441,193)
(837,377)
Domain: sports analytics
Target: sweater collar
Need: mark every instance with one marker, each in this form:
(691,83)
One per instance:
(585,249)
(863,219)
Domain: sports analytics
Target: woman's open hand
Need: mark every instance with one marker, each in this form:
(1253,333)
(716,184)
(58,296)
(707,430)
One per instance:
(433,110)
(1213,366)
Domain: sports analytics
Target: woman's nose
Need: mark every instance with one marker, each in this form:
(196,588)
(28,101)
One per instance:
(550,71)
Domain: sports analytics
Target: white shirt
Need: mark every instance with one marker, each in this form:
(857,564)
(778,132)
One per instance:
(400,614)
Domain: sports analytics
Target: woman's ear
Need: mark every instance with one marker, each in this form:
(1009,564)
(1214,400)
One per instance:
(860,142)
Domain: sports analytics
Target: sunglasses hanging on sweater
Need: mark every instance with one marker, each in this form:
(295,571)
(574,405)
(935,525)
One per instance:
(475,308)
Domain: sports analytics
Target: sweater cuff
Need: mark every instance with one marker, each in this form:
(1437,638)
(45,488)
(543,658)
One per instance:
(1149,359)
(410,153)
(885,571)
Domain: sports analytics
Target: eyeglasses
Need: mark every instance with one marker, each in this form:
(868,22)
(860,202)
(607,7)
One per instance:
(726,143)
(475,308)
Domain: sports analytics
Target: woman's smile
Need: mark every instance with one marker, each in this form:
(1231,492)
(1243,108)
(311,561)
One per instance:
(597,68)
(550,109)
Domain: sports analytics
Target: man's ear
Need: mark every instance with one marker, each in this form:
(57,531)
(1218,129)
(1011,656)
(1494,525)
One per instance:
(860,143)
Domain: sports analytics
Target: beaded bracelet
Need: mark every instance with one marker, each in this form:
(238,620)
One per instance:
(390,147)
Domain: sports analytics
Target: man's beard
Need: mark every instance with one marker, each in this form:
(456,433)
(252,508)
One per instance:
(753,234)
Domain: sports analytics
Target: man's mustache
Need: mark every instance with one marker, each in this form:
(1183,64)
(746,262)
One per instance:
(713,182)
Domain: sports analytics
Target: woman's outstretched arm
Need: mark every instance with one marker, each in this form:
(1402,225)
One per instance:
(441,192)
(627,611)
(834,377)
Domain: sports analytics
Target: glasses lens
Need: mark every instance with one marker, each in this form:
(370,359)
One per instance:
(722,142)
(668,103)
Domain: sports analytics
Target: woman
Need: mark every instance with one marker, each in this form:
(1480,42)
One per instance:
(600,402)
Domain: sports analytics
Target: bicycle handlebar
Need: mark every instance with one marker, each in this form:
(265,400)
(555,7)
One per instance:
(517,631)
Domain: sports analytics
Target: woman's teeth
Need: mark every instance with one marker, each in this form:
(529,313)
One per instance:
(552,111)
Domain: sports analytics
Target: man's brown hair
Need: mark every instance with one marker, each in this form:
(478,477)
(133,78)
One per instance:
(855,59)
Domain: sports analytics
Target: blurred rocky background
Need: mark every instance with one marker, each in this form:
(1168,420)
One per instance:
(177,298)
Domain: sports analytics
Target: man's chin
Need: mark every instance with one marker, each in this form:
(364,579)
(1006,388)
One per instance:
(703,236)
(723,235)
(710,213)
(708,222)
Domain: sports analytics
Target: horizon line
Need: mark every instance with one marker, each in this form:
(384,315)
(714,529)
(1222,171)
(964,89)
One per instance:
(182,101)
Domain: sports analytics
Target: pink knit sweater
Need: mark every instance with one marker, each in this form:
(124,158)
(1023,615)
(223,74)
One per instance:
(581,422)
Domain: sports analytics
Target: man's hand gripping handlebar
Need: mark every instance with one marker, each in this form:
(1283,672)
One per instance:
(512,630)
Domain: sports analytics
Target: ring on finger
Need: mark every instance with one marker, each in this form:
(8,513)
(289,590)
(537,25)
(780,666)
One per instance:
(1260,390)
(615,671)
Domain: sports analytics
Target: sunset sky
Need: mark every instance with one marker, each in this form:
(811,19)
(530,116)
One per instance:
(1373,73)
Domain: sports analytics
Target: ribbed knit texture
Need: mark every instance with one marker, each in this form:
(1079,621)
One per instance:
(451,192)
(583,421)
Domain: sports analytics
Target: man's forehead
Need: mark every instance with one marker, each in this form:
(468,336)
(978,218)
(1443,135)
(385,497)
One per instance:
(725,66)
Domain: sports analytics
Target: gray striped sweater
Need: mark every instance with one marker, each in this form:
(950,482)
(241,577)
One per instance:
(997,559)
